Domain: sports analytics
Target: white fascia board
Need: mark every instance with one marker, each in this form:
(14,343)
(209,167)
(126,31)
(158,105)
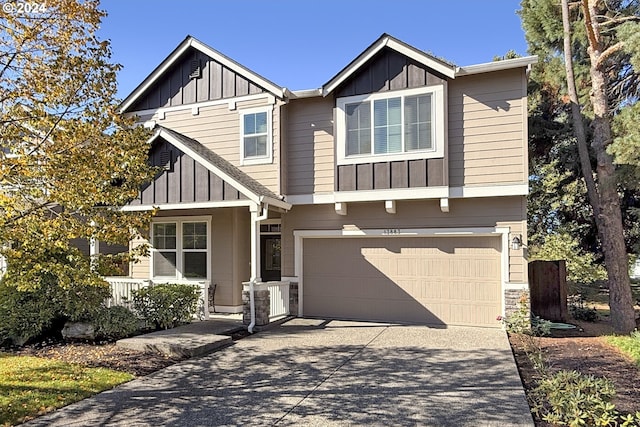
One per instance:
(307,93)
(152,78)
(489,191)
(161,111)
(344,74)
(311,199)
(415,54)
(409,194)
(217,56)
(423,58)
(506,64)
(204,162)
(240,69)
(183,206)
(391,194)
(275,202)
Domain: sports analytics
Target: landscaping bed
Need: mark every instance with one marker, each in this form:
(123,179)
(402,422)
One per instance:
(586,350)
(106,355)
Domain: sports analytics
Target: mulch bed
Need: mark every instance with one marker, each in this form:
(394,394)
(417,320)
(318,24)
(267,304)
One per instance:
(584,350)
(106,355)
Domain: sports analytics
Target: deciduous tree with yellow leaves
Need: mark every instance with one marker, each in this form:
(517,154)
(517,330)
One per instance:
(69,162)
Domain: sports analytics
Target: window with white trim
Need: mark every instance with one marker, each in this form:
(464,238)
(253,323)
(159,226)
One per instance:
(255,136)
(397,125)
(180,249)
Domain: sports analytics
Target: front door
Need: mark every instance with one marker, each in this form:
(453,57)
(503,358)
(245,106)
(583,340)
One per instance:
(270,258)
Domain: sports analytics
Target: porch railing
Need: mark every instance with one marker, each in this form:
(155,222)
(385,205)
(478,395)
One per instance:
(122,287)
(279,298)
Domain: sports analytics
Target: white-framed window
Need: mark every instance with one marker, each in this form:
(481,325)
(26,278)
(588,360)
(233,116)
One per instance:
(181,248)
(396,125)
(255,136)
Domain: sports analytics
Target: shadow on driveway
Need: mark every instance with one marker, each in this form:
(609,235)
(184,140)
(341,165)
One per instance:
(337,373)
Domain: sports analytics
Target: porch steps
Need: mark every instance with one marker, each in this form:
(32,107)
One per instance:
(190,340)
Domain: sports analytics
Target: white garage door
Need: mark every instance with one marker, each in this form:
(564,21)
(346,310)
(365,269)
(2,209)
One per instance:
(427,280)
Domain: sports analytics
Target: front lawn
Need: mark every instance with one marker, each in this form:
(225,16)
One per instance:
(31,386)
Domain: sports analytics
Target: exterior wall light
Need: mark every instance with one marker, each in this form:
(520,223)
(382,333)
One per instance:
(516,243)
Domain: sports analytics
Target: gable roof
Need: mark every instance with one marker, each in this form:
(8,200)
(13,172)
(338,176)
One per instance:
(385,40)
(192,42)
(239,180)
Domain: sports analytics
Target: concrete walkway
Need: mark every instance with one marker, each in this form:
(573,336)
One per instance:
(190,340)
(312,372)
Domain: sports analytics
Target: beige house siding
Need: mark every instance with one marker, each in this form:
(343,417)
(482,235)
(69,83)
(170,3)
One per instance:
(229,252)
(481,212)
(310,146)
(487,129)
(218,128)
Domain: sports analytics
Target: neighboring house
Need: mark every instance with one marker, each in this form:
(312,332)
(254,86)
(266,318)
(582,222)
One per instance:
(395,192)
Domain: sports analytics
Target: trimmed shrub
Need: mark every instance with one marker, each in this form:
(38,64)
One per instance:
(166,305)
(32,313)
(114,323)
(25,314)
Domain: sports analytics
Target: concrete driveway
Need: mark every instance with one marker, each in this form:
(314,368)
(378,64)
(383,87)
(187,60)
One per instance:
(312,372)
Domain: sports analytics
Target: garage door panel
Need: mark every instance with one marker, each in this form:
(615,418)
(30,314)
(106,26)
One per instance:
(422,279)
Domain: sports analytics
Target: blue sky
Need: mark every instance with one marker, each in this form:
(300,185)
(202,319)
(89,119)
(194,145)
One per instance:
(301,44)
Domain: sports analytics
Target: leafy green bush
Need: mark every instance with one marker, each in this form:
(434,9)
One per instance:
(166,305)
(29,313)
(40,293)
(114,323)
(25,314)
(569,398)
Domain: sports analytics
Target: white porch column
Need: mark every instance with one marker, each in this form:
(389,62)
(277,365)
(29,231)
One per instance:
(255,243)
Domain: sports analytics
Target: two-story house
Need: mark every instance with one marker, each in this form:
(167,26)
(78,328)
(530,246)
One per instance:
(395,192)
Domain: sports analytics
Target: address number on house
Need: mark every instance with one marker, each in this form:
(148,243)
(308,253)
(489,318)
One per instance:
(390,231)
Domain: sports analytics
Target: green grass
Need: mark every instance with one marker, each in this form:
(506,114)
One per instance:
(629,344)
(31,386)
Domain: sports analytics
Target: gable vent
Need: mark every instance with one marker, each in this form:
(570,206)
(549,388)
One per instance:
(165,160)
(196,69)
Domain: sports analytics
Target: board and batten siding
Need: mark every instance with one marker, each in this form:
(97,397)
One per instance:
(309,146)
(388,70)
(488,129)
(467,213)
(215,82)
(218,128)
(182,180)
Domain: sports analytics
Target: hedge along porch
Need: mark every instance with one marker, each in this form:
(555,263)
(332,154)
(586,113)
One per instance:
(208,224)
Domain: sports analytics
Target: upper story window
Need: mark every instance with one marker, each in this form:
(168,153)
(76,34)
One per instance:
(398,125)
(255,136)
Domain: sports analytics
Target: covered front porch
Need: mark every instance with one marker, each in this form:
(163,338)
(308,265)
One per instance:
(215,227)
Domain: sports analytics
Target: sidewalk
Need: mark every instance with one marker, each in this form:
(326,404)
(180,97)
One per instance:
(190,340)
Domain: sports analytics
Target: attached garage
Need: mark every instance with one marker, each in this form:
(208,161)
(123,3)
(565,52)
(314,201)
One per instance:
(425,280)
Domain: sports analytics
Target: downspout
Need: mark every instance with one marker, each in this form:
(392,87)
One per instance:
(255,222)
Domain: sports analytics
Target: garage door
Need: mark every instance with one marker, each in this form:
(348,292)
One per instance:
(427,280)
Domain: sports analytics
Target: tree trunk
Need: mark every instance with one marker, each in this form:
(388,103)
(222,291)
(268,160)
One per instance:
(578,124)
(610,218)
